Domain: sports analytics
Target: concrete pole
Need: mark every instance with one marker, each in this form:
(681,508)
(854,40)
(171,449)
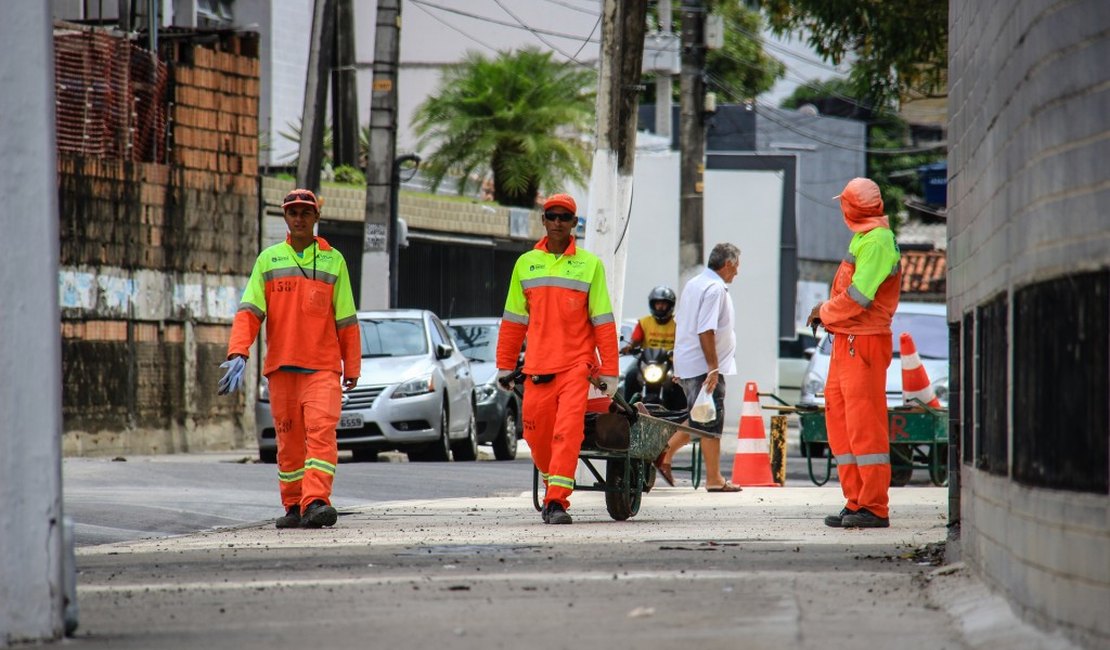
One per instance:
(31,573)
(663,82)
(344,87)
(379,165)
(622,49)
(311,153)
(692,140)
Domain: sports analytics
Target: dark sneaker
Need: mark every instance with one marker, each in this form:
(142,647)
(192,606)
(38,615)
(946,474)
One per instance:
(863,518)
(543,513)
(556,514)
(318,514)
(291,518)
(837,521)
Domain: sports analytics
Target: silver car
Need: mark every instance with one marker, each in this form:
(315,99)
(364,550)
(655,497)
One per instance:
(497,411)
(415,394)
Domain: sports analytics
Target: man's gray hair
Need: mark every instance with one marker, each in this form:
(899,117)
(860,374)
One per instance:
(721,254)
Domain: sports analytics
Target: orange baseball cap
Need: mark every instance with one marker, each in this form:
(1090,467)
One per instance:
(560,201)
(304,197)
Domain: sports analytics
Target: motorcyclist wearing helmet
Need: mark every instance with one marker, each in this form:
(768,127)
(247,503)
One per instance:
(656,330)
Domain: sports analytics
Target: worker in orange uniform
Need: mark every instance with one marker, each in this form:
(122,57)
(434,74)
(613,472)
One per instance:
(861,303)
(559,300)
(300,287)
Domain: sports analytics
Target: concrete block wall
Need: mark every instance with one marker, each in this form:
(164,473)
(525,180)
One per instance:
(154,258)
(1028,189)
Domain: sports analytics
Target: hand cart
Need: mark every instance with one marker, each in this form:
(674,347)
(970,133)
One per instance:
(918,440)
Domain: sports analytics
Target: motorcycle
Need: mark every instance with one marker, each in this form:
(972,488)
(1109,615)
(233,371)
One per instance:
(655,376)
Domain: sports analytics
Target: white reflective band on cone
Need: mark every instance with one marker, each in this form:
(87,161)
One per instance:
(750,409)
(752,446)
(911,361)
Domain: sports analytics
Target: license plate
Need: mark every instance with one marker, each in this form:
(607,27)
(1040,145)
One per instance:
(349,421)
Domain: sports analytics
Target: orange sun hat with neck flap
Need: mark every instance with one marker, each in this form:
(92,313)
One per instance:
(862,205)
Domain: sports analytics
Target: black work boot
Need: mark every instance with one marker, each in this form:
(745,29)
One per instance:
(863,518)
(837,521)
(291,518)
(557,514)
(543,513)
(318,514)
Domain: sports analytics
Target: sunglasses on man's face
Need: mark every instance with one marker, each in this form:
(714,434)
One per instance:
(559,216)
(299,196)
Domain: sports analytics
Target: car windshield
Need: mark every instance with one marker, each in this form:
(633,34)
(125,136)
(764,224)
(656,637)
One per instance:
(393,337)
(929,332)
(477,342)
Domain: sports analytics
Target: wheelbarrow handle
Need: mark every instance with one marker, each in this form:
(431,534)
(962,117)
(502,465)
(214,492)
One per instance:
(617,397)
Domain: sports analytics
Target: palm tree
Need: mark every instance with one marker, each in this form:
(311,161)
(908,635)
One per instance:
(520,116)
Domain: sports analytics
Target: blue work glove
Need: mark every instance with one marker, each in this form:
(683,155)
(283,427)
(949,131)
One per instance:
(233,378)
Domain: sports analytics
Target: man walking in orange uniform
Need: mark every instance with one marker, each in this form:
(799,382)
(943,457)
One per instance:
(300,287)
(861,303)
(559,300)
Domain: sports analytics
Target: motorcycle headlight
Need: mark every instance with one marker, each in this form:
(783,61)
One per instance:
(653,373)
(418,386)
(485,393)
(264,390)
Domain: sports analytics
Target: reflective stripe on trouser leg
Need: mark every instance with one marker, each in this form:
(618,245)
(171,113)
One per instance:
(289,428)
(320,403)
(863,383)
(573,388)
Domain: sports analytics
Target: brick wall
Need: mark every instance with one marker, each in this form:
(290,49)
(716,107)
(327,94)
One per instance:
(153,261)
(1029,262)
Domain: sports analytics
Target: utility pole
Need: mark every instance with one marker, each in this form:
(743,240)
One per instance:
(692,139)
(31,537)
(379,164)
(623,23)
(311,152)
(344,88)
(664,86)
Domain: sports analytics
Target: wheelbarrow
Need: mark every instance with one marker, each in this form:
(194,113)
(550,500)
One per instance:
(918,440)
(629,470)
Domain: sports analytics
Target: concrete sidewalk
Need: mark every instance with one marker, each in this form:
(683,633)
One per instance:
(756,569)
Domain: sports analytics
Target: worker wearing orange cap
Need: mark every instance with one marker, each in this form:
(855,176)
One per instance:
(861,303)
(559,300)
(301,288)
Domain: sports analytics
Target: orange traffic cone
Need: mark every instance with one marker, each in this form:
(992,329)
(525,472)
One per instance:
(751,466)
(915,381)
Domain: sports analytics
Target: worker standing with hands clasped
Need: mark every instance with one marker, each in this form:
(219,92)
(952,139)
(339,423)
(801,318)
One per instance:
(559,300)
(861,304)
(300,287)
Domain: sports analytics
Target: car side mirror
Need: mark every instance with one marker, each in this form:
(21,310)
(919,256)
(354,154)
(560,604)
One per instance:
(809,352)
(443,351)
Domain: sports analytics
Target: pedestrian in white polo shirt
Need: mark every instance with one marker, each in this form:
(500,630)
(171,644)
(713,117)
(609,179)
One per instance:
(704,351)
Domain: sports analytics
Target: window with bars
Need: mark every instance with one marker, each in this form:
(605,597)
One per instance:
(991,432)
(968,388)
(1061,383)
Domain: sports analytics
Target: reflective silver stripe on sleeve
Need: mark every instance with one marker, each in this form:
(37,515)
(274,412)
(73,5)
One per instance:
(857,295)
(246,306)
(873,459)
(601,319)
(344,322)
(562,283)
(895,268)
(845,459)
(515,318)
(850,259)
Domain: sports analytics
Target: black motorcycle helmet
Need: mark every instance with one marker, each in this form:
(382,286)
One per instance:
(661,294)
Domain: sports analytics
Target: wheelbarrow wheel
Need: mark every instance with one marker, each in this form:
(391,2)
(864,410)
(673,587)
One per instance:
(901,465)
(622,493)
(938,465)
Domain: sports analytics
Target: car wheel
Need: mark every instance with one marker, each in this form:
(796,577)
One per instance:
(440,450)
(268,456)
(467,448)
(504,446)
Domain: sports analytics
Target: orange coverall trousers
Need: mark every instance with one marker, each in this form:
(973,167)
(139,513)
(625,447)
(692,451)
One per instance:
(856,419)
(306,409)
(554,420)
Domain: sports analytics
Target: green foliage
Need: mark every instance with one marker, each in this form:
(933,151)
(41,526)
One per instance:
(349,175)
(817,90)
(520,116)
(901,47)
(294,135)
